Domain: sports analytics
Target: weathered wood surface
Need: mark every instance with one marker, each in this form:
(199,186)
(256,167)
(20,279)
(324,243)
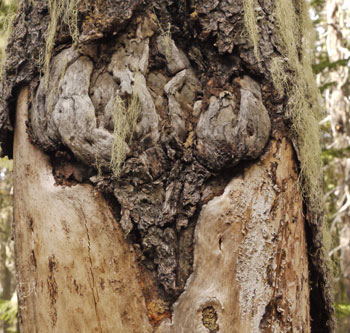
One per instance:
(250,259)
(75,270)
(174,152)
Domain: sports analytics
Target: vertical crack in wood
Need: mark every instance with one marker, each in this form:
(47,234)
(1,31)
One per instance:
(279,260)
(93,284)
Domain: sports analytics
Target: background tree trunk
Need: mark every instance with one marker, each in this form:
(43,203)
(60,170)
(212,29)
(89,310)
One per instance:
(339,112)
(156,184)
(7,279)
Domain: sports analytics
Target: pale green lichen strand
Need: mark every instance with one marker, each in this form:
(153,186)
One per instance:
(66,10)
(251,24)
(304,106)
(120,132)
(293,76)
(125,119)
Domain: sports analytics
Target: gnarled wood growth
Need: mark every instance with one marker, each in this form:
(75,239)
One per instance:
(162,110)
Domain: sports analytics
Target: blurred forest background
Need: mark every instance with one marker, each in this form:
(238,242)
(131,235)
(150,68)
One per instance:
(331,67)
(8,298)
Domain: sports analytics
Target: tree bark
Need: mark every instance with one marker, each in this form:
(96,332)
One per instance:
(156,184)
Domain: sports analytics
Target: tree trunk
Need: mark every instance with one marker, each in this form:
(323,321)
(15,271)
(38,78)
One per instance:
(250,259)
(339,112)
(156,183)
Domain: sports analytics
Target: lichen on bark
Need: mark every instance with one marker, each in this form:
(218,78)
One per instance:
(67,114)
(292,76)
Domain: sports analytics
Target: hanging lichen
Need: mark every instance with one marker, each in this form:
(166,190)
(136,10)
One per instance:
(120,131)
(304,106)
(125,118)
(60,10)
(6,24)
(251,24)
(292,76)
(126,112)
(166,37)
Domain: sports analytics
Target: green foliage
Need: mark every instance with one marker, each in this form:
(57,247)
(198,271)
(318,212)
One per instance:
(326,64)
(7,15)
(317,4)
(342,310)
(328,155)
(5,163)
(327,85)
(8,311)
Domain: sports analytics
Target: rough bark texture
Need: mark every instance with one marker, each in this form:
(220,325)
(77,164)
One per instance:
(174,88)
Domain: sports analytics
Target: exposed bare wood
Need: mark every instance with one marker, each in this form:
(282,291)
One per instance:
(250,258)
(75,270)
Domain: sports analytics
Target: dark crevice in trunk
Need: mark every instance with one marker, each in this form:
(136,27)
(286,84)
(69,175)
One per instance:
(321,302)
(67,171)
(113,204)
